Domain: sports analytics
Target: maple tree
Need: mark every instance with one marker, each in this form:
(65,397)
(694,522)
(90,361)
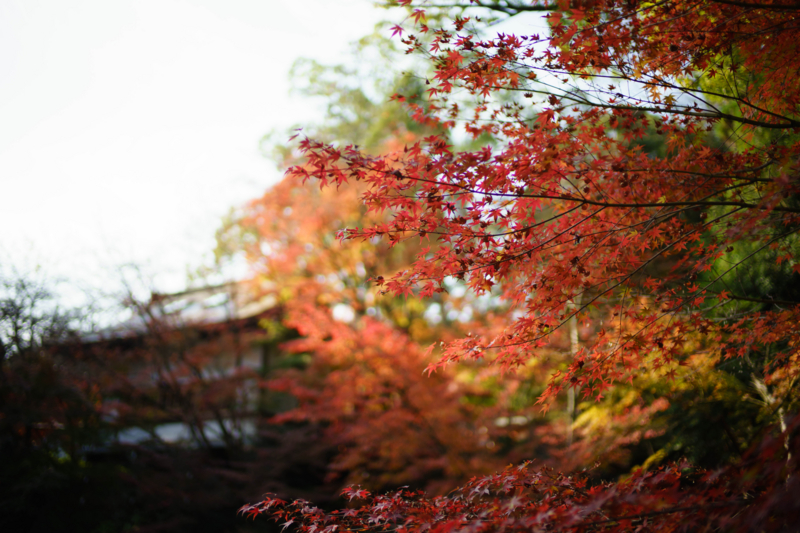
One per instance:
(632,169)
(567,203)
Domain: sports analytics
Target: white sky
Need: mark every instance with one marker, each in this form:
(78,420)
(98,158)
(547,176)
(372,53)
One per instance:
(128,128)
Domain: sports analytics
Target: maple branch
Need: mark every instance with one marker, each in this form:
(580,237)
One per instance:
(473,235)
(574,96)
(773,7)
(698,203)
(618,283)
(657,204)
(716,115)
(667,109)
(694,91)
(507,8)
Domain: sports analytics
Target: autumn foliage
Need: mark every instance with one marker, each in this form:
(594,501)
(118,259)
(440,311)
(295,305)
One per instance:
(571,207)
(526,498)
(625,206)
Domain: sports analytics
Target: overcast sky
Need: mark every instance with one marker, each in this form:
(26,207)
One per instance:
(128,128)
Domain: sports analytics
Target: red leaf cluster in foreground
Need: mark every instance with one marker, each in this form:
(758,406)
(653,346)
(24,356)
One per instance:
(760,494)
